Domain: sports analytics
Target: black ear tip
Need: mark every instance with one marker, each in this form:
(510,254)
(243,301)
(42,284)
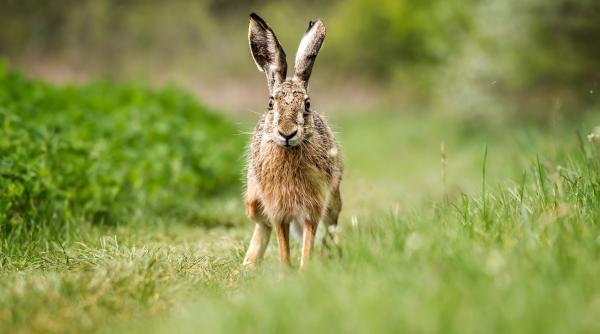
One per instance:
(254,17)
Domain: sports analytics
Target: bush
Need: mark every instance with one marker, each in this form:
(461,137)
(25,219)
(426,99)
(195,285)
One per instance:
(529,60)
(398,38)
(106,154)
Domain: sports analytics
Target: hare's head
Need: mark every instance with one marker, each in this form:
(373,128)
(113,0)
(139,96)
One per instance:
(289,119)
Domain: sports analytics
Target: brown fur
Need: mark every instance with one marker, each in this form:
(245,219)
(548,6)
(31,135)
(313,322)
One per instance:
(293,181)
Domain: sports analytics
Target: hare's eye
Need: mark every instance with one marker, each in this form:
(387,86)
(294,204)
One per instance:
(270,103)
(307,104)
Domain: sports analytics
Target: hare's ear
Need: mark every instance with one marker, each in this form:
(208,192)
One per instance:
(307,51)
(266,51)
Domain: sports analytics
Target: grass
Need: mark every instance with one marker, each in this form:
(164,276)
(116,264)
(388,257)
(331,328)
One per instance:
(517,257)
(496,232)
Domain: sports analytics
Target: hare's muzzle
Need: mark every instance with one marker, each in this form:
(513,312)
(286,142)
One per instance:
(289,138)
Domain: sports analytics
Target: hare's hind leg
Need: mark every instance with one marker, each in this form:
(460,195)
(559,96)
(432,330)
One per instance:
(330,220)
(261,235)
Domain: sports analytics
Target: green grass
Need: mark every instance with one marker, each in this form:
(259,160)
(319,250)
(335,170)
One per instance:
(522,255)
(496,232)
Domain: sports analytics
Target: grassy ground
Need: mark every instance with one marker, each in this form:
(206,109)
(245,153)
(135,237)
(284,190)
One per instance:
(447,227)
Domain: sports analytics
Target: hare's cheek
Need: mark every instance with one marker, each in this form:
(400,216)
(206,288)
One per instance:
(309,124)
(270,121)
(275,119)
(300,119)
(269,128)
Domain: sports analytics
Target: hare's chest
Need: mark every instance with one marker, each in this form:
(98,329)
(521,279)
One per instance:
(291,188)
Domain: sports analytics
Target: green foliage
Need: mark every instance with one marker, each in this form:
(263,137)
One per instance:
(391,37)
(511,54)
(524,59)
(105,154)
(566,31)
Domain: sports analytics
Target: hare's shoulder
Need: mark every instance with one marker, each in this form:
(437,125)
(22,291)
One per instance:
(325,152)
(257,135)
(324,133)
(253,150)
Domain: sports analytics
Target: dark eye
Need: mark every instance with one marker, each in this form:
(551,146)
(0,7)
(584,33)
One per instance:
(307,104)
(270,103)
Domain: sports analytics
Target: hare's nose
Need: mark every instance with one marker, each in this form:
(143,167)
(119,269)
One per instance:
(289,135)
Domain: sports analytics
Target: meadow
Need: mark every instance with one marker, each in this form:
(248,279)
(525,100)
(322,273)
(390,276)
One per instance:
(121,211)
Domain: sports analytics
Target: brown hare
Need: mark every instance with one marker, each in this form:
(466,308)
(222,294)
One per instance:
(294,165)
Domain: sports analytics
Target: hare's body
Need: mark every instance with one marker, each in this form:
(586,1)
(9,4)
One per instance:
(294,183)
(294,167)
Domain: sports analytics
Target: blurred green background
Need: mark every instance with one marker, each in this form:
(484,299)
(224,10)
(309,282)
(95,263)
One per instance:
(469,131)
(514,58)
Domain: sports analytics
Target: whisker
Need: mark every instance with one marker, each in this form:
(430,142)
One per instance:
(254,112)
(240,133)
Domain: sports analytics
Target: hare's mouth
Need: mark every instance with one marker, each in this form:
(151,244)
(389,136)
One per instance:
(287,142)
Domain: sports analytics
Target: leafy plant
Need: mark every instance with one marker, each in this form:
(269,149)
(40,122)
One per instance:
(106,154)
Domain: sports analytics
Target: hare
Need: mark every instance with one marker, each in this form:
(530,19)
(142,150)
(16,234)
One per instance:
(294,165)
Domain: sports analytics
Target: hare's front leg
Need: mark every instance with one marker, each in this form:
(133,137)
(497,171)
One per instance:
(283,238)
(261,235)
(308,242)
(258,245)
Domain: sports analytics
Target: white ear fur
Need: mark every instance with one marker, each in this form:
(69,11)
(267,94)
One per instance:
(308,49)
(304,42)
